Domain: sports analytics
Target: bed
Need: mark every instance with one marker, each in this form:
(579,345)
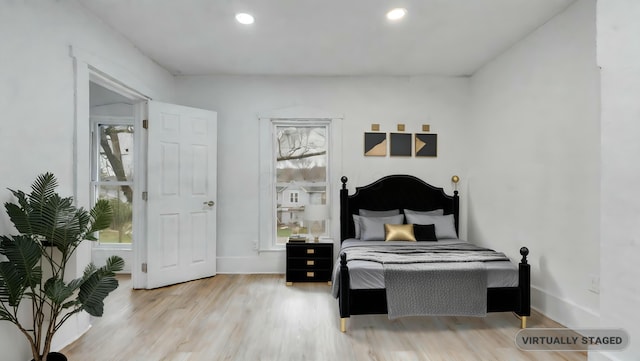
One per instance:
(422,268)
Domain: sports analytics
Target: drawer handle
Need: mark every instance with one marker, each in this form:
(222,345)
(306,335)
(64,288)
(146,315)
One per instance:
(311,251)
(311,274)
(311,262)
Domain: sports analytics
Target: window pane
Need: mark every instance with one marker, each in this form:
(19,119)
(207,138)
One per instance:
(301,153)
(120,231)
(301,176)
(116,153)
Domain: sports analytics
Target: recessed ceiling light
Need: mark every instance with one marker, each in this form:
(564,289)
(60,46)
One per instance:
(244,18)
(396,14)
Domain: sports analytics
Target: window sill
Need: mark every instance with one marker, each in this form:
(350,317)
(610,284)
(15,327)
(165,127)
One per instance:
(274,249)
(100,247)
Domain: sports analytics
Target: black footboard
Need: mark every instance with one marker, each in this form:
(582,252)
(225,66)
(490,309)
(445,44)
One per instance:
(374,301)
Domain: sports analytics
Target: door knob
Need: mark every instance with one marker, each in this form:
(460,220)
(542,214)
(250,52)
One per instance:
(209,203)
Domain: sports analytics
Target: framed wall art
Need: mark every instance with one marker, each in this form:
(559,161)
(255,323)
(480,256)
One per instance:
(375,144)
(426,145)
(400,144)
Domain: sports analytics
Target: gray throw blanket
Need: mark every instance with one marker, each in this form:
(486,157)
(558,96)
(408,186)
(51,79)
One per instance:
(398,254)
(436,289)
(442,280)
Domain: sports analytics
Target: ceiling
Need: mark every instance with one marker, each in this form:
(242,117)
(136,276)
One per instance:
(324,37)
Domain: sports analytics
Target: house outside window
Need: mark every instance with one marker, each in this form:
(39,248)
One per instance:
(300,162)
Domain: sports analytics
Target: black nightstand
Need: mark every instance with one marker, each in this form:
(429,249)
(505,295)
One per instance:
(309,262)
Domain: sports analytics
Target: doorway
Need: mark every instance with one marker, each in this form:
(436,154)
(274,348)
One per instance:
(156,163)
(175,177)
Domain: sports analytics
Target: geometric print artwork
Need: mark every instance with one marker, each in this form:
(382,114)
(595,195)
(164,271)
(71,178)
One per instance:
(375,144)
(426,145)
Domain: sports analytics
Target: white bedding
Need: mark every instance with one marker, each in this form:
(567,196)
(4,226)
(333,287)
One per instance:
(370,275)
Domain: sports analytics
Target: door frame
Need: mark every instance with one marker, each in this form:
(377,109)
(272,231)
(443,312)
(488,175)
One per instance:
(90,68)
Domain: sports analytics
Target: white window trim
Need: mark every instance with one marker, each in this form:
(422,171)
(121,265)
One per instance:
(267,209)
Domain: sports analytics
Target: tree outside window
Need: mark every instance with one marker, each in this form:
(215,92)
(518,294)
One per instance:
(301,173)
(114,179)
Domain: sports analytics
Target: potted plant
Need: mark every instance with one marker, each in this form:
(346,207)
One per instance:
(32,271)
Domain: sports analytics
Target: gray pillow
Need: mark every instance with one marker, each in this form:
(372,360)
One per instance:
(356,220)
(369,213)
(445,226)
(435,212)
(372,228)
(356,226)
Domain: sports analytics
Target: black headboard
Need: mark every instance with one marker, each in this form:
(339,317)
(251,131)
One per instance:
(393,192)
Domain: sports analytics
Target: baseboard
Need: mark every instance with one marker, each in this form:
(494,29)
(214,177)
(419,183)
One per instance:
(563,311)
(99,257)
(71,330)
(264,263)
(602,356)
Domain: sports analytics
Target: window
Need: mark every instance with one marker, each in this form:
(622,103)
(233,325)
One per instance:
(300,167)
(112,176)
(298,148)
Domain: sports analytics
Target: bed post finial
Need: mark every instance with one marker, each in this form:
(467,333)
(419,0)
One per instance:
(524,251)
(343,259)
(455,179)
(344,180)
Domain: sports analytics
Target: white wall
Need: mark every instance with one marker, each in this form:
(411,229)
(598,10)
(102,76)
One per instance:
(239,100)
(37,106)
(526,150)
(533,176)
(619,57)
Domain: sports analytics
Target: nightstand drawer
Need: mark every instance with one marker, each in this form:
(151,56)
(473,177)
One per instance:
(309,263)
(308,276)
(310,250)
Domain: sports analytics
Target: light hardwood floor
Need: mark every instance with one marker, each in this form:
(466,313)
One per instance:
(256,317)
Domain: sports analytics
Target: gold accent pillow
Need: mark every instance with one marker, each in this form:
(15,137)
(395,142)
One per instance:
(399,232)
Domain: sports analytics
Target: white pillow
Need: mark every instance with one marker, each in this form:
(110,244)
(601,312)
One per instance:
(445,225)
(372,228)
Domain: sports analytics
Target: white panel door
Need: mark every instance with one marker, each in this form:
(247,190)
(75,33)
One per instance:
(181,186)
